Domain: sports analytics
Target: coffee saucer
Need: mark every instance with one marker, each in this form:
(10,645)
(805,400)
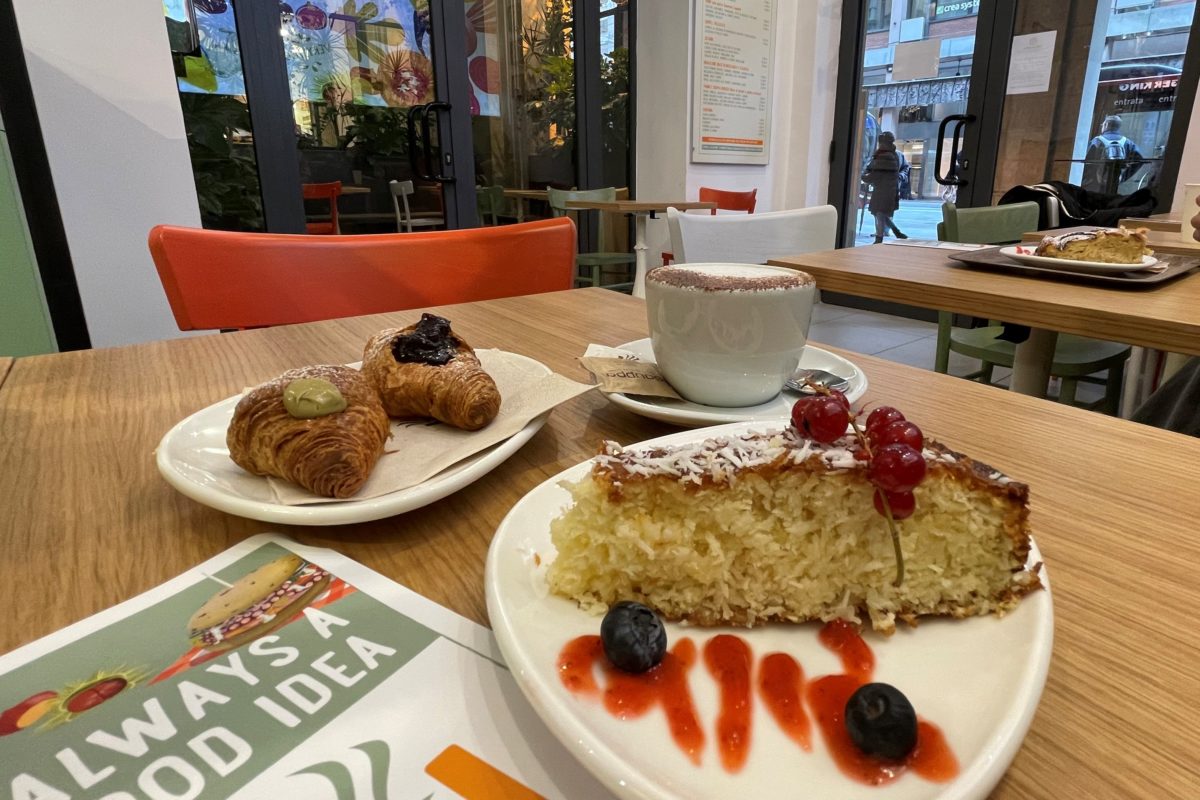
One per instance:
(694,415)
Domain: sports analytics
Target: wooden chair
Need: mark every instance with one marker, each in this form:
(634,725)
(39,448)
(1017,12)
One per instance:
(751,239)
(222,279)
(593,263)
(1076,358)
(726,201)
(405,222)
(324,191)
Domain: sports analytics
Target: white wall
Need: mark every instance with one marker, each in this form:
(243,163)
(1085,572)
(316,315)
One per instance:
(1189,165)
(110,116)
(805,75)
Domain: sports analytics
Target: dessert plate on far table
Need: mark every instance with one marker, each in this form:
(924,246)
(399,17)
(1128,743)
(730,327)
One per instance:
(1024,255)
(689,414)
(977,679)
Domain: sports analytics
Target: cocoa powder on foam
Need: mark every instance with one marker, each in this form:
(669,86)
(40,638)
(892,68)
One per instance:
(691,279)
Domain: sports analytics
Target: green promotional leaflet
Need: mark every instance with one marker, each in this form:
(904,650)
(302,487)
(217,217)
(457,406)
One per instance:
(274,670)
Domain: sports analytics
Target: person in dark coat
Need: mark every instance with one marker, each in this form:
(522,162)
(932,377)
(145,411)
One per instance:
(883,173)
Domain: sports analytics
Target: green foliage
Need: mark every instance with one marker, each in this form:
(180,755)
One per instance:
(375,133)
(224,170)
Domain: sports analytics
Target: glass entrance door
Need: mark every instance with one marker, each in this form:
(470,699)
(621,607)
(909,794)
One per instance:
(1100,112)
(963,100)
(399,114)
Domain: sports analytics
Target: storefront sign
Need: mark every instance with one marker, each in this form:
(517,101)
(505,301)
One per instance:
(1139,94)
(918,93)
(952,9)
(731,89)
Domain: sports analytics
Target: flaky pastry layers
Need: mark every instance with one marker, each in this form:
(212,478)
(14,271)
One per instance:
(770,527)
(331,455)
(457,392)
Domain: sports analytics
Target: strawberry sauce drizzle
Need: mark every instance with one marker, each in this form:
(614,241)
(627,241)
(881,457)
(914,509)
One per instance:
(730,663)
(627,695)
(782,688)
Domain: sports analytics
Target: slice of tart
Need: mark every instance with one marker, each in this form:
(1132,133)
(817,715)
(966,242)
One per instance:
(1113,246)
(774,527)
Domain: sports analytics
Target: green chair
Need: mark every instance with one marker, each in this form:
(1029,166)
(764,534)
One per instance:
(1076,358)
(490,203)
(591,263)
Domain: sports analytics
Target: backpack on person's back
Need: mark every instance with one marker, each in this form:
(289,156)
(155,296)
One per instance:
(1114,149)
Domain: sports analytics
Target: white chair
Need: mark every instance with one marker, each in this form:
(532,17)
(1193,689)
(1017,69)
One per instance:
(401,190)
(750,238)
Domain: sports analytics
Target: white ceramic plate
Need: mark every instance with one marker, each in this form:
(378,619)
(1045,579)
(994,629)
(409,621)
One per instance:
(687,413)
(978,679)
(1071,265)
(194,459)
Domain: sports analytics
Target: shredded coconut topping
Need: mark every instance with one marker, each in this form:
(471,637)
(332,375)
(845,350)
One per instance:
(719,459)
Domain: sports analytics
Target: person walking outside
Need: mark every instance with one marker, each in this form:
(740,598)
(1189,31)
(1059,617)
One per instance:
(1111,159)
(883,173)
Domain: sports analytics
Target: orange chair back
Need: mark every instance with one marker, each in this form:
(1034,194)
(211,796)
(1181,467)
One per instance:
(729,201)
(324,191)
(222,279)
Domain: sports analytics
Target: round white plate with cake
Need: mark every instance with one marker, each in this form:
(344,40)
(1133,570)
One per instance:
(1102,251)
(687,413)
(663,523)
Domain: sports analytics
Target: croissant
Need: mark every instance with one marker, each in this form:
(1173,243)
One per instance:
(426,370)
(330,455)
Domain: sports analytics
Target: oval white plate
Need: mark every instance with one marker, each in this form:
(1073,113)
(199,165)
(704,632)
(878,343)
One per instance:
(687,413)
(978,679)
(1071,265)
(194,459)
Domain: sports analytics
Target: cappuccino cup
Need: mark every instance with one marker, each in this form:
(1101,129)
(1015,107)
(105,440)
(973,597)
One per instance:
(728,334)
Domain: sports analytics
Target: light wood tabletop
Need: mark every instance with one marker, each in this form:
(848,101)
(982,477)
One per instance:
(86,522)
(6,363)
(639,206)
(1166,317)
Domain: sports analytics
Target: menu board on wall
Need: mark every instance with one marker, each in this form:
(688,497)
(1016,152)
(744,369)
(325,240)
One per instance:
(731,85)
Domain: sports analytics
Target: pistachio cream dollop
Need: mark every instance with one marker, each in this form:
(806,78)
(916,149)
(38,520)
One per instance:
(308,398)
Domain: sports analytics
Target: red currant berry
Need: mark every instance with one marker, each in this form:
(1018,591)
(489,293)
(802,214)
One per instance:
(897,468)
(825,420)
(841,398)
(798,412)
(902,504)
(882,416)
(899,432)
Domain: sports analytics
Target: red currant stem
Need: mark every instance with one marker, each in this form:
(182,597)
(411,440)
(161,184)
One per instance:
(887,507)
(887,513)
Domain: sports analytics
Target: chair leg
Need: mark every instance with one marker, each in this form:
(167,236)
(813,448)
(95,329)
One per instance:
(1066,392)
(941,359)
(985,372)
(1112,390)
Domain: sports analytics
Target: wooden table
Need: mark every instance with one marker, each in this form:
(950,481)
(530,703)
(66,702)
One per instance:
(86,522)
(1165,318)
(1155,222)
(641,210)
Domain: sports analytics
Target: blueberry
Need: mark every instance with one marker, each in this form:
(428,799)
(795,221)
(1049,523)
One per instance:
(881,721)
(633,636)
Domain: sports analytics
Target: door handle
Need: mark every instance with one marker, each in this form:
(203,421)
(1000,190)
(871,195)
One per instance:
(418,151)
(444,157)
(953,178)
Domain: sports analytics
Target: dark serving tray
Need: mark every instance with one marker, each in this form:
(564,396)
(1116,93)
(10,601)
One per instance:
(1177,266)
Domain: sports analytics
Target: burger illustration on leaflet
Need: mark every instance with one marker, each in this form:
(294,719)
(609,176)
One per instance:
(257,603)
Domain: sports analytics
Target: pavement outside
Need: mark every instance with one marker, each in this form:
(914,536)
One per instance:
(917,218)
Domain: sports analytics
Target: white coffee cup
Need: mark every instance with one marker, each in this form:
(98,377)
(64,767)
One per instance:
(728,334)
(1190,192)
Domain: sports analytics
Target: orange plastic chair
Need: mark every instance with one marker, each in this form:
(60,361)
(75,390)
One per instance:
(726,201)
(222,279)
(324,191)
